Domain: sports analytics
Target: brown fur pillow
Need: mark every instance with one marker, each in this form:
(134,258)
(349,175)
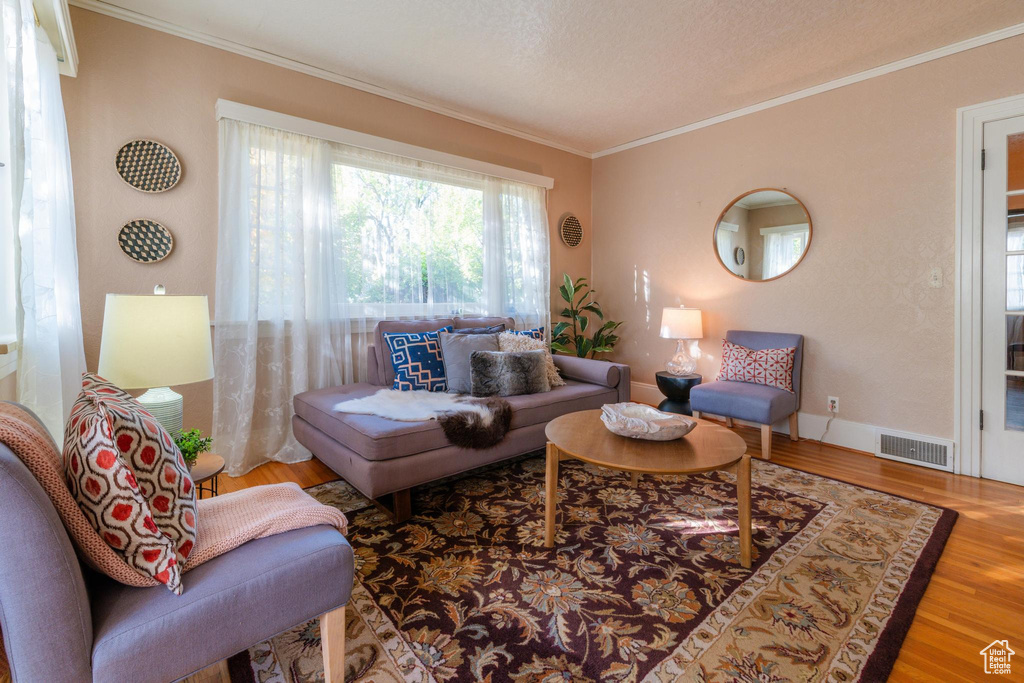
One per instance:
(508,341)
(496,373)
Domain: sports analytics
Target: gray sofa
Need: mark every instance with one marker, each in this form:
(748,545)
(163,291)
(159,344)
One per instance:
(380,456)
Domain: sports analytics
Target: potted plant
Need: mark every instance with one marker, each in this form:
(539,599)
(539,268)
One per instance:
(569,337)
(191,444)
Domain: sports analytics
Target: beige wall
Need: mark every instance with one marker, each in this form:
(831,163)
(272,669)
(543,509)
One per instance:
(135,82)
(875,165)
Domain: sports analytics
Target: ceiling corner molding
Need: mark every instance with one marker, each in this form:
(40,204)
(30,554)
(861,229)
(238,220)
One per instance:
(140,19)
(899,65)
(55,19)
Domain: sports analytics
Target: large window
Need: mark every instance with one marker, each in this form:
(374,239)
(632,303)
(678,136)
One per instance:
(394,237)
(319,239)
(420,242)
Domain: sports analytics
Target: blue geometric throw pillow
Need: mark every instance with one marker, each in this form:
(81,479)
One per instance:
(416,357)
(536,333)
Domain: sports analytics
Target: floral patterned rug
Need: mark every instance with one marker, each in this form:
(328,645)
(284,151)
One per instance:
(643,584)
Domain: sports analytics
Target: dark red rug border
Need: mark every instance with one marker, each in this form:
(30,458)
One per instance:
(890,640)
(887,648)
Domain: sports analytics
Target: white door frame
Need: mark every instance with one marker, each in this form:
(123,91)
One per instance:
(969,205)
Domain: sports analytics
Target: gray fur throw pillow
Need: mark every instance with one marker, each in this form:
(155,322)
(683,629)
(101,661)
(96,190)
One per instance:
(495,373)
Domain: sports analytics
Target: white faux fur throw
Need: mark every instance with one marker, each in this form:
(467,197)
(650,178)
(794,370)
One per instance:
(413,406)
(466,422)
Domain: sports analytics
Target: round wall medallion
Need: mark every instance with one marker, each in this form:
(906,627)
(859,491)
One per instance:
(571,231)
(740,256)
(145,241)
(148,166)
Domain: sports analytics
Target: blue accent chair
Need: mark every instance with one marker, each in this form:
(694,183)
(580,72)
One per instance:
(755,402)
(64,623)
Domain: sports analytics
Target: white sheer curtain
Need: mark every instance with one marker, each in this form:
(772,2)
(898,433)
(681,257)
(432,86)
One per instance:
(317,241)
(49,327)
(781,251)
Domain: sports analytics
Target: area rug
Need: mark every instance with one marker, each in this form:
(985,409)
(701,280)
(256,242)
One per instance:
(644,583)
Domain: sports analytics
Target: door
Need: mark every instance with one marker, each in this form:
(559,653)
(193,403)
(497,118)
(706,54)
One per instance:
(1002,380)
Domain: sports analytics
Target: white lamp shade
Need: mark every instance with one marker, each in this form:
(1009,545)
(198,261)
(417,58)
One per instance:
(682,323)
(155,341)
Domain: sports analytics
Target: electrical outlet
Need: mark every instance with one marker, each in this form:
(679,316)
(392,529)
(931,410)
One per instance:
(833,404)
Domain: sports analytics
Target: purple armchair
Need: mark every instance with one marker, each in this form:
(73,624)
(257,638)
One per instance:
(63,622)
(755,402)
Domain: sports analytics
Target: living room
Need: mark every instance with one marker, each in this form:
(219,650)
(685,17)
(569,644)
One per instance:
(396,290)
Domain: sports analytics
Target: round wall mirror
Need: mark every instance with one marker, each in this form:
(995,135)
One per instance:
(770,228)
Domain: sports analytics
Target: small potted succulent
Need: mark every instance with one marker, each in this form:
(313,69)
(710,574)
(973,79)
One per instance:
(191,444)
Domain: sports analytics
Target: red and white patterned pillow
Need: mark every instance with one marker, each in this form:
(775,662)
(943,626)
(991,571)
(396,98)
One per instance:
(770,367)
(130,480)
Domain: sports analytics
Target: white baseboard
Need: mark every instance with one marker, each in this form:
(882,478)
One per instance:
(855,435)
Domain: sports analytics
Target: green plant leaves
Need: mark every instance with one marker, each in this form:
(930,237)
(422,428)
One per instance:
(569,337)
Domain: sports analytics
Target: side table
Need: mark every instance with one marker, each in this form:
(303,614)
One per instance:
(677,391)
(204,473)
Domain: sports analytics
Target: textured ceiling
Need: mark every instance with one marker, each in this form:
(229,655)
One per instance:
(590,74)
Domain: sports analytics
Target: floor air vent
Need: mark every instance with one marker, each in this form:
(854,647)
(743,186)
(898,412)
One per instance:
(914,448)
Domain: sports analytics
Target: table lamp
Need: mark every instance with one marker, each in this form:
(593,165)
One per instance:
(153,342)
(681,324)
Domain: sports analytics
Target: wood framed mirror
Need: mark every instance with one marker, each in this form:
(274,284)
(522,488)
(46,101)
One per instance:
(772,230)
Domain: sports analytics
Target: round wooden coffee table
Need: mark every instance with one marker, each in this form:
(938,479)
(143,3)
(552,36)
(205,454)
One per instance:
(708,447)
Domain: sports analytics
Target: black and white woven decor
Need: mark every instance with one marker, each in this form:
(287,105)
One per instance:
(571,231)
(148,166)
(145,241)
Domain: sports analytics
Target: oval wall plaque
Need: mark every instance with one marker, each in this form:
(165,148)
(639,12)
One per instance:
(571,231)
(148,166)
(145,241)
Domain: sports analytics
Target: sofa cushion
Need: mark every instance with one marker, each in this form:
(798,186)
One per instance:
(233,601)
(493,329)
(456,350)
(515,341)
(156,461)
(743,401)
(484,321)
(384,367)
(531,409)
(505,373)
(536,332)
(377,438)
(771,367)
(107,491)
(416,360)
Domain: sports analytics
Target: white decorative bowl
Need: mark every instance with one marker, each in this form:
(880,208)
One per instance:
(639,421)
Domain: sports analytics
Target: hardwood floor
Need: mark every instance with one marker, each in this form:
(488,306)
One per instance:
(975,596)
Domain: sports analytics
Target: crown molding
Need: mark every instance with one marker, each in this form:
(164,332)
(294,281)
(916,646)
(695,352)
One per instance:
(140,19)
(899,65)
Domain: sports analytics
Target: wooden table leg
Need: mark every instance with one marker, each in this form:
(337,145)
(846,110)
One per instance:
(634,478)
(550,495)
(743,500)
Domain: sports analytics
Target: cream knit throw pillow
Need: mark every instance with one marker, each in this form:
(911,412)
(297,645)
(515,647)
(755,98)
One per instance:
(509,341)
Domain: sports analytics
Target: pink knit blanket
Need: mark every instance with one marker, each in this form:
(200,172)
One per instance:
(224,522)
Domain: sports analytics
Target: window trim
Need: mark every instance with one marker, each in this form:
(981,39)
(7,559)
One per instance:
(294,124)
